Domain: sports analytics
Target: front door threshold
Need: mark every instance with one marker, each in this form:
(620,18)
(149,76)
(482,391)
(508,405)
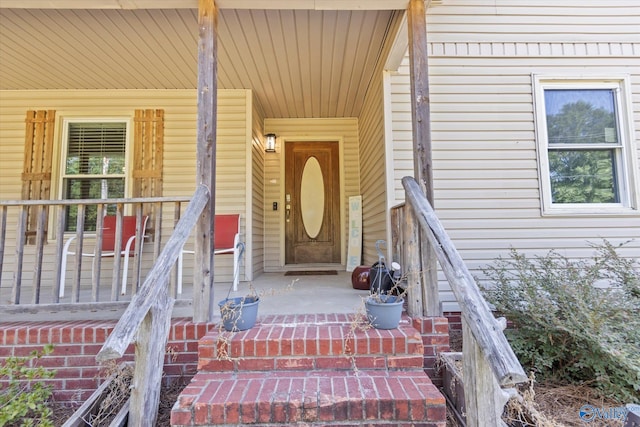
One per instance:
(309,266)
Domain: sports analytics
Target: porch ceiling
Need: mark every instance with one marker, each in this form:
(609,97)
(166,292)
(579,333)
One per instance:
(300,63)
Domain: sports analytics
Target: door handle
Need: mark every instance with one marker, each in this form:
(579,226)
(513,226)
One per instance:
(287,207)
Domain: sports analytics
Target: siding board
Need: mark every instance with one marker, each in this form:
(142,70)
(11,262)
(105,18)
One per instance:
(516,21)
(482,57)
(258,190)
(374,164)
(179,149)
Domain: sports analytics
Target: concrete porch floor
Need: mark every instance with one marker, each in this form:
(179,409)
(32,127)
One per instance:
(280,294)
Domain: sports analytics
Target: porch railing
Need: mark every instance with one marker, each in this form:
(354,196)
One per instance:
(147,321)
(32,239)
(491,368)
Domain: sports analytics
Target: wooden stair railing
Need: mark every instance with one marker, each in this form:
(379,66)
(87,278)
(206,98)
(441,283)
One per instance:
(491,369)
(147,321)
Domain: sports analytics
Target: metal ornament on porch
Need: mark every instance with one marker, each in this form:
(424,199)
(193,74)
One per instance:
(383,309)
(238,313)
(381,279)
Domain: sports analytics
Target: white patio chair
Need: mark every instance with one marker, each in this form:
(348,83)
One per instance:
(227,239)
(127,250)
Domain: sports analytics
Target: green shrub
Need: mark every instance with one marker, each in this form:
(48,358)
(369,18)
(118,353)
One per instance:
(575,320)
(24,401)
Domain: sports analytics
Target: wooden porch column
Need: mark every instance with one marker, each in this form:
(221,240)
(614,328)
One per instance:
(420,114)
(206,158)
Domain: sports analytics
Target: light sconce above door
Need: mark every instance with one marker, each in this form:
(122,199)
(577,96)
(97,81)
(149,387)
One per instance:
(270,143)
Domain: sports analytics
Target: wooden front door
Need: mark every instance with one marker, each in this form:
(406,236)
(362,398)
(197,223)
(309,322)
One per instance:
(312,202)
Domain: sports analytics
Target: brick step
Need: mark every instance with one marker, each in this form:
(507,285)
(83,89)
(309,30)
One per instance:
(311,342)
(310,398)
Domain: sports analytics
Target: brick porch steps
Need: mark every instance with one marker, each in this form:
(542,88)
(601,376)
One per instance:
(311,370)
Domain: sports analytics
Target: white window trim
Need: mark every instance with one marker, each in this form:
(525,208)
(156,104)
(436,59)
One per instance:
(64,147)
(628,181)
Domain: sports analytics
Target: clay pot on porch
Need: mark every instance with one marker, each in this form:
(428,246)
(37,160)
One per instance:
(239,313)
(360,278)
(384,311)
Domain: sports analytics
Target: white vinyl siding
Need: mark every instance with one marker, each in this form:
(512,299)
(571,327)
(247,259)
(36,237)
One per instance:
(398,96)
(180,106)
(374,171)
(514,21)
(258,188)
(486,180)
(374,164)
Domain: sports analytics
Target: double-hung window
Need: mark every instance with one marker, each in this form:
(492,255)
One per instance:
(94,165)
(585,146)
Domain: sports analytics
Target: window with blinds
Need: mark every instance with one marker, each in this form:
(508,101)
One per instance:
(94,165)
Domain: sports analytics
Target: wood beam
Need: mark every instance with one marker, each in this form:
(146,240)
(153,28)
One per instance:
(420,102)
(206,158)
(422,158)
(150,349)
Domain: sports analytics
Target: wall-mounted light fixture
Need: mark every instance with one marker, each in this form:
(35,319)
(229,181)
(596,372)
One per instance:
(270,143)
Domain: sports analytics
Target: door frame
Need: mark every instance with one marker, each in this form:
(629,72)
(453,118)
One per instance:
(343,219)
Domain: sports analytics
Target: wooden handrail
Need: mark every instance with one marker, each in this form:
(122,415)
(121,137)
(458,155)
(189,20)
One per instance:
(147,320)
(75,202)
(156,280)
(487,331)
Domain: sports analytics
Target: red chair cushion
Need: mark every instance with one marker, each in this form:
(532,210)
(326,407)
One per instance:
(109,232)
(225,230)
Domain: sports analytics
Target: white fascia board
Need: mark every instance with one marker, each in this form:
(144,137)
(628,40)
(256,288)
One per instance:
(221,4)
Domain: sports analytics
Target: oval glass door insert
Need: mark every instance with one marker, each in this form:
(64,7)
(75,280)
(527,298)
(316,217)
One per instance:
(312,197)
